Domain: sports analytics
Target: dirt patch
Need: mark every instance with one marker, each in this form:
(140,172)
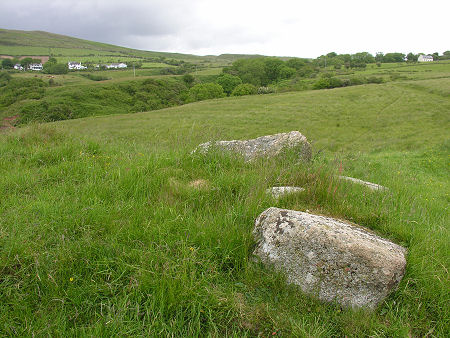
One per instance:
(199,184)
(8,122)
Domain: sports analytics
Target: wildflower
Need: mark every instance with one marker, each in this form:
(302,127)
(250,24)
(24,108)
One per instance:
(192,249)
(71,279)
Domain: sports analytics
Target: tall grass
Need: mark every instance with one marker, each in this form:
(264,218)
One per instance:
(118,238)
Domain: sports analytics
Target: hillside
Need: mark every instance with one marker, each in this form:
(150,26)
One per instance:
(18,42)
(105,229)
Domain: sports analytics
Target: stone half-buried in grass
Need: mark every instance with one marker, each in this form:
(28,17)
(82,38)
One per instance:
(264,146)
(330,259)
(370,185)
(278,192)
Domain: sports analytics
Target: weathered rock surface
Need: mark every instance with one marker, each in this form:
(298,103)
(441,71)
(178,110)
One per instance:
(369,185)
(277,192)
(264,146)
(328,258)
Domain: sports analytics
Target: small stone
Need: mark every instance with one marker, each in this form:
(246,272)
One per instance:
(328,258)
(369,185)
(278,192)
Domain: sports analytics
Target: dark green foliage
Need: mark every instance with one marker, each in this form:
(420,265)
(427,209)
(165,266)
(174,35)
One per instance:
(188,79)
(251,71)
(69,102)
(26,62)
(4,78)
(228,82)
(244,89)
(7,64)
(411,57)
(42,111)
(55,68)
(328,82)
(17,89)
(393,57)
(205,91)
(95,77)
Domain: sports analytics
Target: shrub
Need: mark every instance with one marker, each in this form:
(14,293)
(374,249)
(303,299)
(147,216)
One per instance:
(228,82)
(244,89)
(95,77)
(357,80)
(375,79)
(327,83)
(205,91)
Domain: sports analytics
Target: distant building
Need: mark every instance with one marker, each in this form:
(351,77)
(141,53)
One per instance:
(35,66)
(116,65)
(18,66)
(425,58)
(75,65)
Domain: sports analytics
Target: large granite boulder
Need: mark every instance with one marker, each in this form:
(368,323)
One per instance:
(328,258)
(264,146)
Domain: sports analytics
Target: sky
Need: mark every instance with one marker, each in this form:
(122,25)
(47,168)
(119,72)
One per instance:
(209,27)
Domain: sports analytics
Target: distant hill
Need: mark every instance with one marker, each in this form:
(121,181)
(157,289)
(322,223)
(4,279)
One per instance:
(18,43)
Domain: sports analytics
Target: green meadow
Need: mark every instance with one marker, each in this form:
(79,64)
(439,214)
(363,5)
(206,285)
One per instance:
(109,225)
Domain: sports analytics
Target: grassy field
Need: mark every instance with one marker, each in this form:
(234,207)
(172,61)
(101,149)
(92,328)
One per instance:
(110,226)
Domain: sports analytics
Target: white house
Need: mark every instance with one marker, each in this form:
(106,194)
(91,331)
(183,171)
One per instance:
(116,65)
(35,66)
(425,58)
(18,66)
(75,65)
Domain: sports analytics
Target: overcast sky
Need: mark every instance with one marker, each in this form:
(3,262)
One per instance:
(277,27)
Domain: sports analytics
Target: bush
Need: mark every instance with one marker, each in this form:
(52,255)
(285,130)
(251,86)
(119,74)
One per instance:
(95,77)
(375,79)
(205,91)
(327,83)
(244,89)
(228,82)
(357,80)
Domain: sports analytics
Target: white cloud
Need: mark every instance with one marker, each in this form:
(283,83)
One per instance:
(283,27)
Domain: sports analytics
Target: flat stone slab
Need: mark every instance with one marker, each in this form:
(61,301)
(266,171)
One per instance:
(264,146)
(278,192)
(330,259)
(369,185)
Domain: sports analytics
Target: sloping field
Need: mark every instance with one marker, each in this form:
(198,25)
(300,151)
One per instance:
(110,226)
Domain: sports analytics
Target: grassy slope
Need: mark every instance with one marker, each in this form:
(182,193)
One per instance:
(101,232)
(17,42)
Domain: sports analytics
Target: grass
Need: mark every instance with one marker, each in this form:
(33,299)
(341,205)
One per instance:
(103,231)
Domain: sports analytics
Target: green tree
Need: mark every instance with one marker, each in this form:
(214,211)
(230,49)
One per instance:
(205,91)
(228,82)
(296,63)
(272,67)
(188,79)
(244,89)
(26,62)
(7,64)
(286,72)
(252,70)
(412,57)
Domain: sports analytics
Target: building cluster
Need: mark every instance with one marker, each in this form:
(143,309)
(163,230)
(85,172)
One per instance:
(72,66)
(32,66)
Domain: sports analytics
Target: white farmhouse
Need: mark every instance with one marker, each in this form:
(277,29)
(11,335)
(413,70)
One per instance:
(18,66)
(35,66)
(425,58)
(75,65)
(116,65)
